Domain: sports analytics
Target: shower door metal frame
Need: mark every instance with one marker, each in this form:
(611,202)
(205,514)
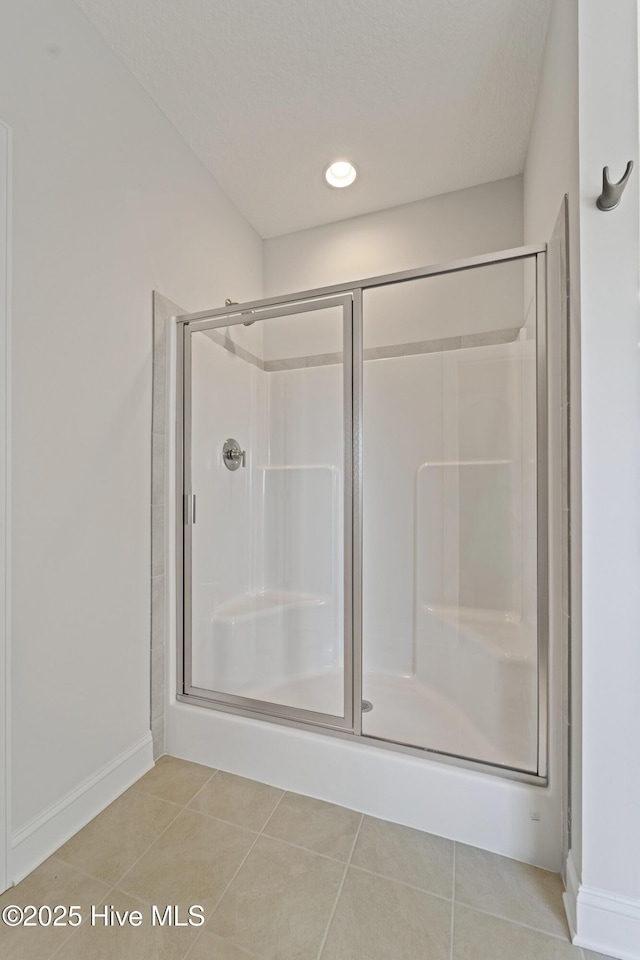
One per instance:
(285,305)
(185,513)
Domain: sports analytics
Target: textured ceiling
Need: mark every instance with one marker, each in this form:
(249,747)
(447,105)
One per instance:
(425,96)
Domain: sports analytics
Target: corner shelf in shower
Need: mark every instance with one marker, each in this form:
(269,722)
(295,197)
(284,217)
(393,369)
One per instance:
(503,635)
(268,601)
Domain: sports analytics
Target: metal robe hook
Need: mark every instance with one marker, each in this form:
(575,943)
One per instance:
(611,192)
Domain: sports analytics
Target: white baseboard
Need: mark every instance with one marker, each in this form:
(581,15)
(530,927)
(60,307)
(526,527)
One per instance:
(601,921)
(35,841)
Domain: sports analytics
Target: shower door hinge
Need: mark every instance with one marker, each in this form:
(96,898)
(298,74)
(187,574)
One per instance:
(189,511)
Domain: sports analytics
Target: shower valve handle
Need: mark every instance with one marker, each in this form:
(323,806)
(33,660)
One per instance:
(232,455)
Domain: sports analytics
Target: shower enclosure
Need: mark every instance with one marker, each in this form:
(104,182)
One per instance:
(362,521)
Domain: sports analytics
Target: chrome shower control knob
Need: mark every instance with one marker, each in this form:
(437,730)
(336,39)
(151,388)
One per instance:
(232,455)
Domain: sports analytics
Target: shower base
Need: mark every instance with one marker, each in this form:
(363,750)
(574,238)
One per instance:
(406,711)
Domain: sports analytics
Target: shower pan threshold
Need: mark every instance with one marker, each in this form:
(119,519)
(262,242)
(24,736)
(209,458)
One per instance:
(405,711)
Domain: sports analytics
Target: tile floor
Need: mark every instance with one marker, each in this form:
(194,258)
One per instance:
(282,877)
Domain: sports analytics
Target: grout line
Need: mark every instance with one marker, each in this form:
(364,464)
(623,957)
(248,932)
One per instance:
(518,923)
(453,901)
(198,792)
(144,793)
(244,859)
(297,846)
(57,950)
(222,895)
(227,823)
(241,950)
(342,882)
(240,866)
(183,806)
(315,853)
(268,820)
(245,953)
(72,866)
(143,854)
(94,876)
(403,883)
(194,944)
(75,930)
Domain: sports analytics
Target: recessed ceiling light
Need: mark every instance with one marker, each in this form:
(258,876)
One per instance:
(340,173)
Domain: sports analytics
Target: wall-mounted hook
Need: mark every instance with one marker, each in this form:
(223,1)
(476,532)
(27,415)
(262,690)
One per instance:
(611,192)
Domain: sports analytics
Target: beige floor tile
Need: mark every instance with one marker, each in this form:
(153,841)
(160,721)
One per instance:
(51,884)
(191,863)
(315,825)
(379,919)
(210,947)
(144,942)
(420,859)
(280,902)
(174,780)
(509,889)
(109,845)
(481,937)
(238,800)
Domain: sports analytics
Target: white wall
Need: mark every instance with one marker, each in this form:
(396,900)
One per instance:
(551,167)
(109,204)
(608,914)
(461,224)
(590,76)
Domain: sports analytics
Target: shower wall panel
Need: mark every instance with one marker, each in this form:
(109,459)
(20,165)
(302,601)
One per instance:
(403,428)
(303,489)
(228,393)
(267,545)
(450,529)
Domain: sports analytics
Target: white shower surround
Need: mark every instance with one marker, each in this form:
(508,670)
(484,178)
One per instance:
(277,755)
(267,605)
(450,645)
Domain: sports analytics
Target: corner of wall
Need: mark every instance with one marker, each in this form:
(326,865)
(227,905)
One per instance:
(599,921)
(42,836)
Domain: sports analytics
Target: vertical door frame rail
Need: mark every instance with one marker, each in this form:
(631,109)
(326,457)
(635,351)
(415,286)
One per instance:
(351,294)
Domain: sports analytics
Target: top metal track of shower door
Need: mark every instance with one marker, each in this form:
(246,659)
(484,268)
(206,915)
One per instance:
(238,313)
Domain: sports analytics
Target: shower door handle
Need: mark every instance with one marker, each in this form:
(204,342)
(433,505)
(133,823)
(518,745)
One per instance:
(189,512)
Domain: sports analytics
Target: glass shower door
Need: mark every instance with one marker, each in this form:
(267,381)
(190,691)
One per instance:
(267,499)
(451,520)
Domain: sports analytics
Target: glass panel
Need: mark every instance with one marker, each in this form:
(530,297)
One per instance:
(449,514)
(267,546)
